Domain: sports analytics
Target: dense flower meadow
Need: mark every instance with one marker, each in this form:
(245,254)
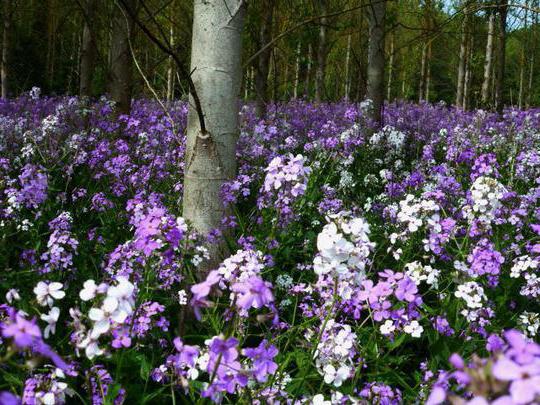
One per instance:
(365,267)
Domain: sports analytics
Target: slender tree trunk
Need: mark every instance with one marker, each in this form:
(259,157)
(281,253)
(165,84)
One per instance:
(501,56)
(467,79)
(121,60)
(216,55)
(171,67)
(297,71)
(532,51)
(423,75)
(6,46)
(263,61)
(428,72)
(488,63)
(530,82)
(320,73)
(375,82)
(521,78)
(347,69)
(462,58)
(390,69)
(308,71)
(88,50)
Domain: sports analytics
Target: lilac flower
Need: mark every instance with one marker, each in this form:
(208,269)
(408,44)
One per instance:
(263,360)
(253,293)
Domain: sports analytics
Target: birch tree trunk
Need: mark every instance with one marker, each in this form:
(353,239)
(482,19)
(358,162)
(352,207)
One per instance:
(428,72)
(121,61)
(390,70)
(521,78)
(263,61)
(6,46)
(297,71)
(488,63)
(320,73)
(423,66)
(375,69)
(462,58)
(88,50)
(347,69)
(216,55)
(501,56)
(171,64)
(308,71)
(467,79)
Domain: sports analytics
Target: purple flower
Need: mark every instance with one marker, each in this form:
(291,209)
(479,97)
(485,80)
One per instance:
(254,292)
(263,360)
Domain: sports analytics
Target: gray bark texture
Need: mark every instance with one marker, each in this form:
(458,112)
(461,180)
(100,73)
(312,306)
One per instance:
(210,156)
(462,58)
(488,63)
(375,70)
(501,56)
(5,49)
(320,73)
(121,71)
(88,49)
(263,61)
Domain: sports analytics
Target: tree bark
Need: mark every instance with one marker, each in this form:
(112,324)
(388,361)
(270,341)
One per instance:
(88,50)
(423,76)
(347,69)
(390,70)
(6,46)
(308,72)
(210,156)
(263,61)
(488,63)
(462,58)
(501,56)
(468,75)
(297,72)
(170,68)
(320,73)
(428,72)
(121,62)
(375,71)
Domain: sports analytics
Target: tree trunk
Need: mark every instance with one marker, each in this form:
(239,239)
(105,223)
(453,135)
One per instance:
(488,63)
(390,70)
(428,72)
(423,76)
(121,60)
(462,58)
(216,55)
(88,50)
(308,72)
(468,74)
(320,73)
(347,69)
(263,61)
(297,72)
(530,82)
(6,46)
(170,68)
(521,78)
(375,71)
(501,56)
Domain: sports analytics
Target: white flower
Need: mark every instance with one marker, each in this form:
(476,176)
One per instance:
(388,327)
(414,329)
(91,348)
(47,293)
(336,377)
(123,290)
(319,400)
(51,318)
(89,290)
(12,295)
(182,297)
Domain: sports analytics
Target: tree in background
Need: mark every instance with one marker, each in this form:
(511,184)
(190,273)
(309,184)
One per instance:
(376,58)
